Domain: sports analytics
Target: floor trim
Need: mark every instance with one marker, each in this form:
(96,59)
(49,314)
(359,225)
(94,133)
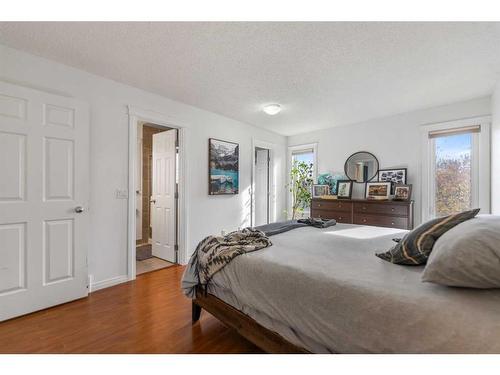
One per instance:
(108,282)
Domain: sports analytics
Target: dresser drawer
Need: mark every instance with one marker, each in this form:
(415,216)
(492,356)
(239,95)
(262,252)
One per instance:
(381,221)
(380,208)
(334,205)
(339,216)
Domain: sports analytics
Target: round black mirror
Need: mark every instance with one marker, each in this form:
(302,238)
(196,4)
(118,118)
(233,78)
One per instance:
(361,166)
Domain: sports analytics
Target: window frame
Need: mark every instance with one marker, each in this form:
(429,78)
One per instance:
(291,151)
(480,163)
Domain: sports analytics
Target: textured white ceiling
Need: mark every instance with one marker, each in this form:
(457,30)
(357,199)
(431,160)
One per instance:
(323,74)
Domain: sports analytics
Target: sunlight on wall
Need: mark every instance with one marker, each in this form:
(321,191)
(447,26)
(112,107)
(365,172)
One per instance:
(246,208)
(274,193)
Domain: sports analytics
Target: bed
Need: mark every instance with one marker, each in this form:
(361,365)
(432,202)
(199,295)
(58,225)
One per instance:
(324,291)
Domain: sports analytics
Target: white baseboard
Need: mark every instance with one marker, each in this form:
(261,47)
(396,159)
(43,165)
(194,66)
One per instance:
(108,282)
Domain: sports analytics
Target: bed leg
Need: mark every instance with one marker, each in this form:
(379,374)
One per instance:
(195,312)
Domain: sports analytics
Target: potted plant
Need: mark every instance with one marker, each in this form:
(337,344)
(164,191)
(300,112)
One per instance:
(301,180)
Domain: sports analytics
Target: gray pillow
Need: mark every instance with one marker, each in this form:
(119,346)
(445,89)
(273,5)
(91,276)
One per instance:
(414,248)
(468,255)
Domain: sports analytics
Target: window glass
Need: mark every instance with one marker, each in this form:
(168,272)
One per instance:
(453,175)
(306,156)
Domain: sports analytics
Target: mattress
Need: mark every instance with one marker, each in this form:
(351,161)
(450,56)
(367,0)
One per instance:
(326,291)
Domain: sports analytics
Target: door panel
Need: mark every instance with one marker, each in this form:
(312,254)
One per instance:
(13,255)
(59,116)
(58,250)
(13,107)
(163,195)
(58,169)
(261,187)
(12,166)
(44,161)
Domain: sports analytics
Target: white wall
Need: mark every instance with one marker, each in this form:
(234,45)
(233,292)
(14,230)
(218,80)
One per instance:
(395,141)
(495,151)
(109,156)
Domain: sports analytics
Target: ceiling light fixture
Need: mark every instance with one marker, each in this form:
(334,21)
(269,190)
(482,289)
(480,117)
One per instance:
(272,109)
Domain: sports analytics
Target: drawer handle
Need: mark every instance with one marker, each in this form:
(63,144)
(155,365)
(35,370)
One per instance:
(340,217)
(363,208)
(364,220)
(392,223)
(392,209)
(340,205)
(319,204)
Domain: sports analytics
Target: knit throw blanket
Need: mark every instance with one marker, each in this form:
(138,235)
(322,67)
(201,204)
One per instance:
(214,253)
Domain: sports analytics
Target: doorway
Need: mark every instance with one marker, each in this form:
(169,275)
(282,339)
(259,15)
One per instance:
(156,197)
(262,186)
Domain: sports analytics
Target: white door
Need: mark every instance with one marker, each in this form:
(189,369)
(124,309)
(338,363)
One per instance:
(44,153)
(261,186)
(139,187)
(163,195)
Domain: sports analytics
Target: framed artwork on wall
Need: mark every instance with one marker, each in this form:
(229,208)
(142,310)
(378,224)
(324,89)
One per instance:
(223,167)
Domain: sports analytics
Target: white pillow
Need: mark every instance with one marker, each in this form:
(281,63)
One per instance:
(468,255)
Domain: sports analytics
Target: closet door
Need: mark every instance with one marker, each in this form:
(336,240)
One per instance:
(44,170)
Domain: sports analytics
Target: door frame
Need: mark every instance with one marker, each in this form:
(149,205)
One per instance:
(136,115)
(272,180)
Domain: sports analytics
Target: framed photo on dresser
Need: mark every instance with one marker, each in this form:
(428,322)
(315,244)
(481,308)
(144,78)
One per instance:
(344,189)
(402,192)
(378,190)
(320,190)
(397,176)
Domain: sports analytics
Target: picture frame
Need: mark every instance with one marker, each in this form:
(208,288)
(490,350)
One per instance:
(223,167)
(397,176)
(402,192)
(344,189)
(378,190)
(320,190)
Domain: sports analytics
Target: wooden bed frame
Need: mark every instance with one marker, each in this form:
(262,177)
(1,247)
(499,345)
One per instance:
(267,340)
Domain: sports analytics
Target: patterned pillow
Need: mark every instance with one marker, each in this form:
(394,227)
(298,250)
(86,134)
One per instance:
(415,247)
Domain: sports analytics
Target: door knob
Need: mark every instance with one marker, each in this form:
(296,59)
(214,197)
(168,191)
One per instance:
(79,209)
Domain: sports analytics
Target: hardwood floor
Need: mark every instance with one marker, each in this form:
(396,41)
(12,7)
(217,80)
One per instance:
(149,315)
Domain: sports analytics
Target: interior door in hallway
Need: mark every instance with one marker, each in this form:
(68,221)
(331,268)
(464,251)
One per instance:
(44,187)
(163,195)
(261,186)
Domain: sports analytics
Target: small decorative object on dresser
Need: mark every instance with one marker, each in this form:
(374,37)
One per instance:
(331,180)
(396,175)
(402,192)
(377,190)
(361,167)
(344,189)
(320,190)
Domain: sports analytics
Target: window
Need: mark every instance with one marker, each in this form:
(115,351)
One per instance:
(307,154)
(453,191)
(456,168)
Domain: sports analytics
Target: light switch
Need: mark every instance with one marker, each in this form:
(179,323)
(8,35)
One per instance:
(121,194)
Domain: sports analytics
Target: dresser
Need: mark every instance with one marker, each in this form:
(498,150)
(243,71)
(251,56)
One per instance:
(392,214)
